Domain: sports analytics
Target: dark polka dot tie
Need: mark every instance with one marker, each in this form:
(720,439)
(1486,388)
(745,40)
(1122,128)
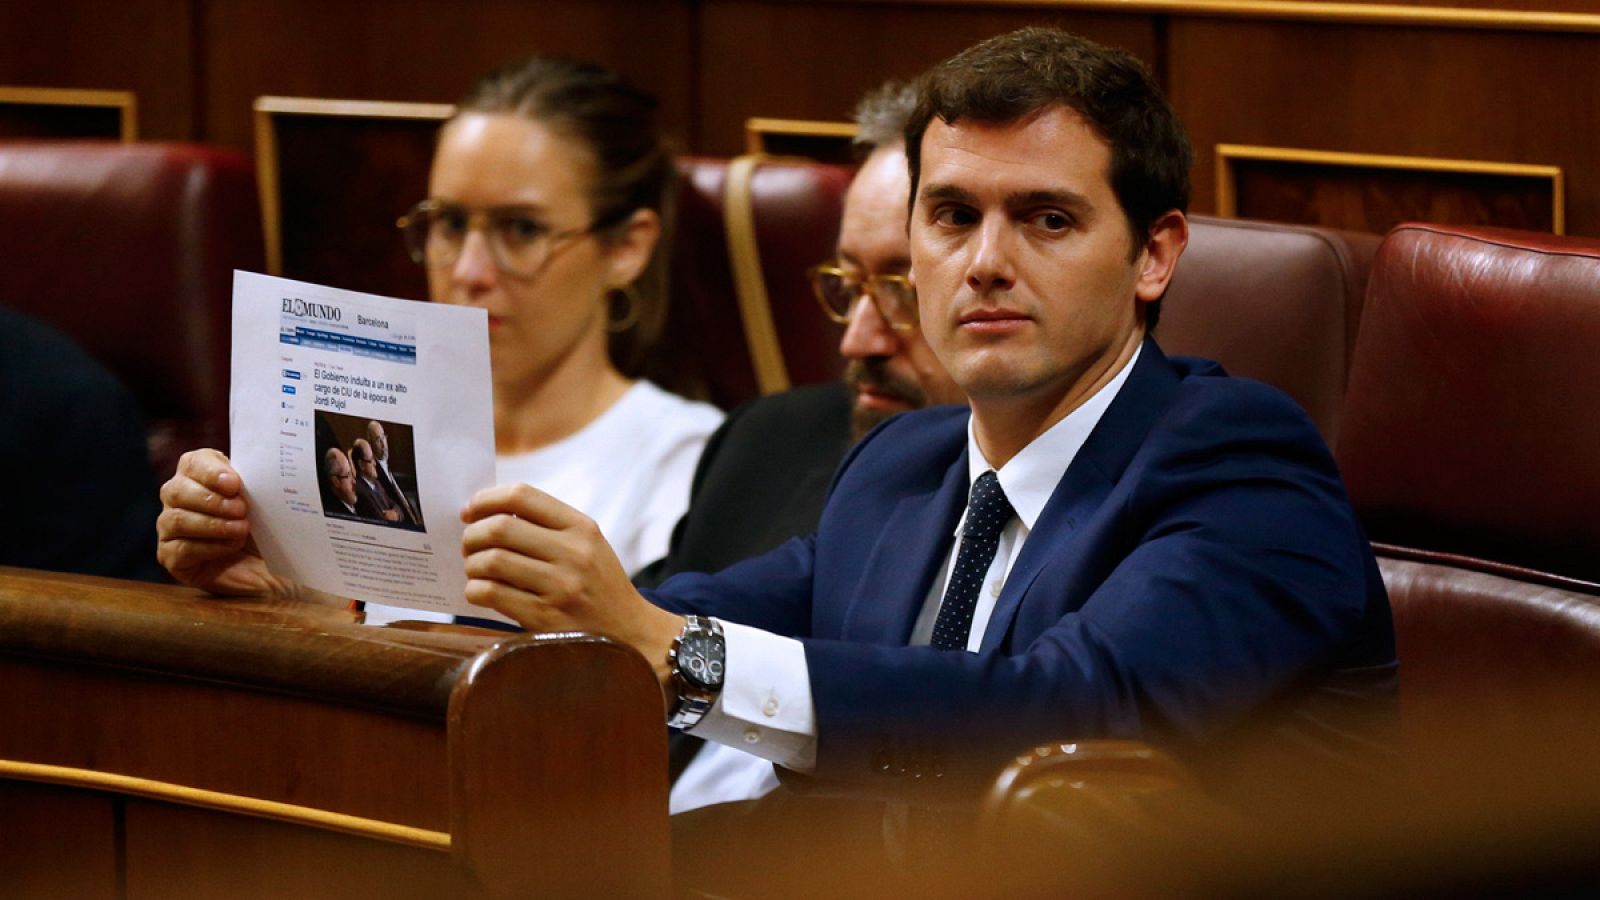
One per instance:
(988,511)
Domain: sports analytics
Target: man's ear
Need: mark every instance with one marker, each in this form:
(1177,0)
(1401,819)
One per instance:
(1159,258)
(629,246)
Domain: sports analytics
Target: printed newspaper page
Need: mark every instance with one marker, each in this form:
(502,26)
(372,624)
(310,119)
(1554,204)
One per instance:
(361,425)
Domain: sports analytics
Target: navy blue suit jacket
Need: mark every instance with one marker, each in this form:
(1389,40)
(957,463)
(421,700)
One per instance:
(1198,562)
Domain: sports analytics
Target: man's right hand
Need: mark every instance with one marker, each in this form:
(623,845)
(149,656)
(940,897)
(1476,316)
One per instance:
(203,532)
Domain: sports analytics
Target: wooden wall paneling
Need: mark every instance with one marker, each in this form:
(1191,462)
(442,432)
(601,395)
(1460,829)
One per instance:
(145,47)
(335,177)
(427,50)
(68,113)
(144,681)
(544,756)
(1524,15)
(769,58)
(182,853)
(209,737)
(1450,93)
(72,852)
(1361,192)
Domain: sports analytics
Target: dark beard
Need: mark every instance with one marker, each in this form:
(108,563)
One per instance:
(873,371)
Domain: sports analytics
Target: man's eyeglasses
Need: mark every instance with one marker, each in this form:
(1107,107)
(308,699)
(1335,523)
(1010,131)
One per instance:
(893,295)
(519,243)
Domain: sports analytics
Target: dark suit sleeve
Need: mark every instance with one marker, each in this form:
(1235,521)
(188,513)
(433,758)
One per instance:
(761,480)
(771,592)
(367,504)
(82,496)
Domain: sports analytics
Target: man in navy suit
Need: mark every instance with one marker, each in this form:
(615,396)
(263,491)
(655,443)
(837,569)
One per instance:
(1111,544)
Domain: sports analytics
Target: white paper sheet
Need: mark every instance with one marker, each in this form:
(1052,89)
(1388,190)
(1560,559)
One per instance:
(312,367)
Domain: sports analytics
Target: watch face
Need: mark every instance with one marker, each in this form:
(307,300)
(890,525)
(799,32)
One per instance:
(700,660)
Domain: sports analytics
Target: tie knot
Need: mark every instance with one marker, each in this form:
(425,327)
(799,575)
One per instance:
(988,510)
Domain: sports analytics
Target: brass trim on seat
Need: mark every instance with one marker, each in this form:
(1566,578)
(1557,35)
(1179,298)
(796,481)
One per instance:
(1228,154)
(355,109)
(167,792)
(1330,11)
(126,103)
(266,143)
(744,257)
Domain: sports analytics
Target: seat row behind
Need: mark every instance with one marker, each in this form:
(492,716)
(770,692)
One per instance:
(1450,369)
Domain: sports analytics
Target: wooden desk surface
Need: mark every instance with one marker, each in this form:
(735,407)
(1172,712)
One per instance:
(535,759)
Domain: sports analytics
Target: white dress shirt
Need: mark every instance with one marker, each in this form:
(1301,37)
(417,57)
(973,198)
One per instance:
(766,708)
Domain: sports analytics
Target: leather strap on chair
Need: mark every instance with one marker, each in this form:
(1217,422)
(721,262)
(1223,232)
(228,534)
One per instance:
(744,256)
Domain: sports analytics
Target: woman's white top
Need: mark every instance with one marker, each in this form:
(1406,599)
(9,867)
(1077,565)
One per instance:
(629,470)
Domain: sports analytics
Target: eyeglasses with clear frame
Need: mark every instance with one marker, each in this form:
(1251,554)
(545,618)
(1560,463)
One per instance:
(519,243)
(837,290)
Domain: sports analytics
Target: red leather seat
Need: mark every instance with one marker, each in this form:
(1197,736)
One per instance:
(1473,413)
(130,250)
(1277,303)
(1490,661)
(795,207)
(1468,448)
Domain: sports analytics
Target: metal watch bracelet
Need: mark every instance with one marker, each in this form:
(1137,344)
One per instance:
(694,700)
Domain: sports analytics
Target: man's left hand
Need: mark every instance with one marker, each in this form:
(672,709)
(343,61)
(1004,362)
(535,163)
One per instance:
(546,565)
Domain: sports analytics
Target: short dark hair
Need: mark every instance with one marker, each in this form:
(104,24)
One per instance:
(617,122)
(1013,76)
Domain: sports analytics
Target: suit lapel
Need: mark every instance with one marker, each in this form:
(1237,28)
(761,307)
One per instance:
(900,571)
(1088,480)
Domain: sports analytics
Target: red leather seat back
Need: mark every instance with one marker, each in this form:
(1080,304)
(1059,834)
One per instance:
(1277,303)
(130,250)
(796,206)
(702,342)
(1472,420)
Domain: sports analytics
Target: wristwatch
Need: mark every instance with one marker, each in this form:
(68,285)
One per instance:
(697,660)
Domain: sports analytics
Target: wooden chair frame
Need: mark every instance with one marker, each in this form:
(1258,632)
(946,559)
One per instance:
(268,110)
(1230,155)
(756,130)
(126,103)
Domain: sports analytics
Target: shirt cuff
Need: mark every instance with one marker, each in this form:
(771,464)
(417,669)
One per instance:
(765,708)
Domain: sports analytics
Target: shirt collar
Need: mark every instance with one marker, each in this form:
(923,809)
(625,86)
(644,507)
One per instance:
(1032,475)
